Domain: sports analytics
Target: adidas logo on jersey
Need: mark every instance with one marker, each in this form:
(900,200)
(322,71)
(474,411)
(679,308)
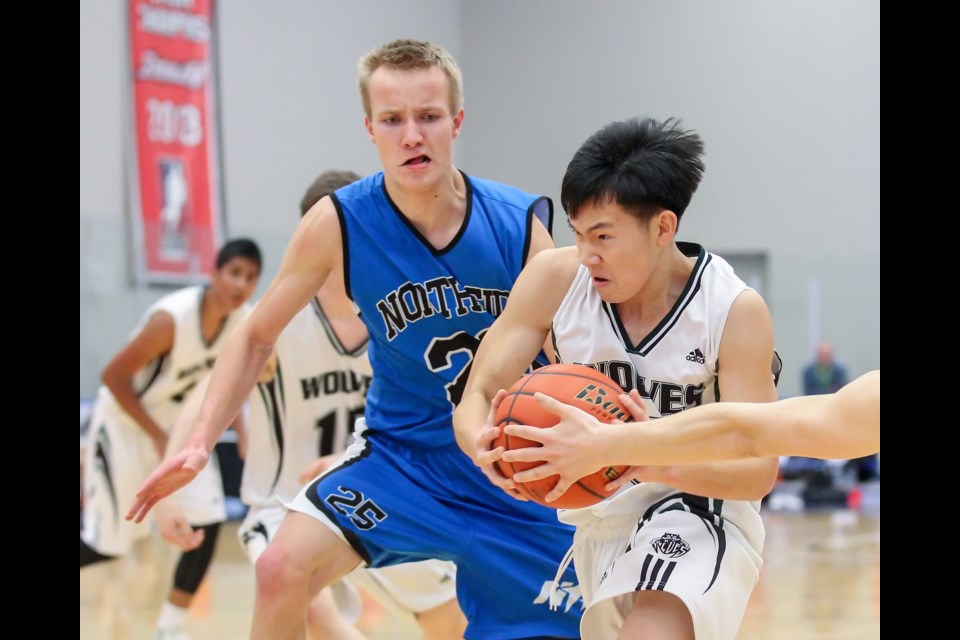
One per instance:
(696,356)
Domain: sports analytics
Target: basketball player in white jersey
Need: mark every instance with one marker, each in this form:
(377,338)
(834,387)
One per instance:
(832,426)
(299,420)
(144,387)
(673,322)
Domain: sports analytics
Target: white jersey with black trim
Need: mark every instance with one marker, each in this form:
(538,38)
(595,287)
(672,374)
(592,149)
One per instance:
(674,368)
(163,384)
(306,411)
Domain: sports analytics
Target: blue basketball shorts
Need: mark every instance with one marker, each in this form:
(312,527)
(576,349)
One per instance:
(394,503)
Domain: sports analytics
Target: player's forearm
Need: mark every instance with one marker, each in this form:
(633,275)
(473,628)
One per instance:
(709,433)
(750,479)
(469,416)
(233,378)
(123,393)
(840,425)
(186,419)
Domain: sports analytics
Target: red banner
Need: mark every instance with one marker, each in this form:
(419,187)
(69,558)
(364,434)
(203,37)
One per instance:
(176,191)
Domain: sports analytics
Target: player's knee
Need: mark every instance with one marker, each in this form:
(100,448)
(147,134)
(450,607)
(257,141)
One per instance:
(658,614)
(277,572)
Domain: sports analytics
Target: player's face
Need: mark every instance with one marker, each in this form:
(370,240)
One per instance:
(412,125)
(234,282)
(620,251)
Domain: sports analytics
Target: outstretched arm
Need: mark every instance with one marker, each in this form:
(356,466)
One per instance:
(313,253)
(840,425)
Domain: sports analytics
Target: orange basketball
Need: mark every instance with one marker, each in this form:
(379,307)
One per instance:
(572,384)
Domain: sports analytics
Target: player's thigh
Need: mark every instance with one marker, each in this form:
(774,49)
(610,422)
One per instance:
(386,506)
(306,548)
(259,527)
(657,614)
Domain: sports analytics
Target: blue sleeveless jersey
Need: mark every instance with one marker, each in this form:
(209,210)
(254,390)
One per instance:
(427,309)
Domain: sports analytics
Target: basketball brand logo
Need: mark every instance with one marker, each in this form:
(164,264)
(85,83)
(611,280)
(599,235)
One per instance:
(592,394)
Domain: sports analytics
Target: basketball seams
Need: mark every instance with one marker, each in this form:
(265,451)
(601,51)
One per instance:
(509,419)
(584,487)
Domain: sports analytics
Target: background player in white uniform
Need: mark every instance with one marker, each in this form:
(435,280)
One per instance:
(305,406)
(145,385)
(835,426)
(675,323)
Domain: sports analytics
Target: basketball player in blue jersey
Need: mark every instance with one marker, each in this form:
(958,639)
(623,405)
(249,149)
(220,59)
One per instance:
(305,405)
(144,387)
(429,255)
(834,426)
(676,554)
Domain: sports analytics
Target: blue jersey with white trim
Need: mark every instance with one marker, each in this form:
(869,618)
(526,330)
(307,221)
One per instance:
(427,308)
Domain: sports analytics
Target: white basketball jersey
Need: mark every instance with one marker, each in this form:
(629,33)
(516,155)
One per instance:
(311,404)
(674,367)
(163,384)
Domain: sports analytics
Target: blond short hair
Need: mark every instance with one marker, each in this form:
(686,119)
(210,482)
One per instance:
(410,54)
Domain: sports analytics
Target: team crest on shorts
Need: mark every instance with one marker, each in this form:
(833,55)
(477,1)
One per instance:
(670,545)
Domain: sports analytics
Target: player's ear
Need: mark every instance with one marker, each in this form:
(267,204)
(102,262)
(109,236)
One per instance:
(457,123)
(369,127)
(666,226)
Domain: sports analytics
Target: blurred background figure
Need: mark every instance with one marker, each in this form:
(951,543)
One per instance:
(825,374)
(828,482)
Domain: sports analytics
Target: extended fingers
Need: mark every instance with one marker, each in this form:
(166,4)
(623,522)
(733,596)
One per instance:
(551,404)
(538,472)
(633,403)
(558,490)
(141,507)
(624,479)
(535,434)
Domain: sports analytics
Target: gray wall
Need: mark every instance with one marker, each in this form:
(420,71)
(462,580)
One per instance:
(785,94)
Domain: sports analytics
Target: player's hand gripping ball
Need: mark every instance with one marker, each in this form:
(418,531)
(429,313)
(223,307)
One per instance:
(573,384)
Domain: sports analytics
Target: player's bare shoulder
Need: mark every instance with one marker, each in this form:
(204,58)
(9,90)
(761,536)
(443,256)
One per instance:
(558,264)
(321,219)
(544,282)
(318,236)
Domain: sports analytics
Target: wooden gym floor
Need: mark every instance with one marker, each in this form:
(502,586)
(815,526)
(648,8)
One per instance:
(820,581)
